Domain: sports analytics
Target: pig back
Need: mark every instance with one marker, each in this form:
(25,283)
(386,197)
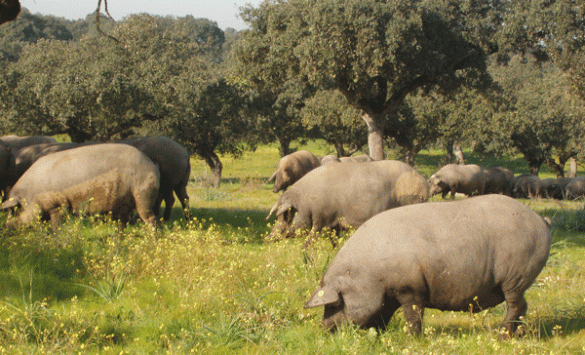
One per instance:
(357,191)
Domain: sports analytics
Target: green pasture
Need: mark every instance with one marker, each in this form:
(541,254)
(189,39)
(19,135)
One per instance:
(214,285)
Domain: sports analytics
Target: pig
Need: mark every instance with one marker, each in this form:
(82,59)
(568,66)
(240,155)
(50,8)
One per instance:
(466,179)
(291,168)
(109,193)
(340,196)
(469,254)
(527,186)
(60,171)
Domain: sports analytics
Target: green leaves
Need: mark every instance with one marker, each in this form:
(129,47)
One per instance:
(540,117)
(375,52)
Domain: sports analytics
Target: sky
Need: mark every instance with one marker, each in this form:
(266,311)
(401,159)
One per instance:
(224,12)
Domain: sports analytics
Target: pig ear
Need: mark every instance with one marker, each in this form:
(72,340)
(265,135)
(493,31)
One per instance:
(10,203)
(279,209)
(324,295)
(272,210)
(283,208)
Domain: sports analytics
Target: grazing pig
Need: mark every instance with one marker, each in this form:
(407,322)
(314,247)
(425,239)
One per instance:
(172,159)
(292,167)
(174,162)
(109,193)
(527,186)
(466,179)
(462,255)
(498,180)
(575,189)
(554,188)
(339,196)
(62,170)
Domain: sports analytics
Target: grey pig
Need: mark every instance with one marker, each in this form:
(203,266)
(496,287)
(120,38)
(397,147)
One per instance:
(340,196)
(463,255)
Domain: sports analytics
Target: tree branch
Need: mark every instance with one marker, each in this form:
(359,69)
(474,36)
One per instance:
(97,19)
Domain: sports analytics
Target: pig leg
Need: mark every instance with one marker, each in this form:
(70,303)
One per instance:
(56,218)
(169,202)
(164,193)
(184,199)
(413,309)
(315,231)
(145,212)
(516,309)
(157,203)
(181,191)
(385,315)
(333,315)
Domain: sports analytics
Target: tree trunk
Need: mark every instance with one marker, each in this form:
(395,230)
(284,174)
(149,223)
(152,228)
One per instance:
(449,150)
(216,166)
(78,136)
(284,147)
(409,156)
(534,167)
(573,165)
(340,151)
(459,154)
(352,150)
(559,169)
(375,136)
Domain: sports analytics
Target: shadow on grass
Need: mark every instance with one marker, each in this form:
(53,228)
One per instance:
(248,180)
(564,323)
(205,182)
(251,224)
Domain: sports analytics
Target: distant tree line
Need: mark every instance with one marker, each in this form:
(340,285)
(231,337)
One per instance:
(501,77)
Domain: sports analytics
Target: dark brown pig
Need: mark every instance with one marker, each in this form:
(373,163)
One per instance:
(174,162)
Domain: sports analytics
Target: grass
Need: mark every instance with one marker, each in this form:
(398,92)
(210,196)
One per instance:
(214,285)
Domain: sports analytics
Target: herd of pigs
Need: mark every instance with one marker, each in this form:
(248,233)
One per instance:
(471,253)
(466,254)
(44,179)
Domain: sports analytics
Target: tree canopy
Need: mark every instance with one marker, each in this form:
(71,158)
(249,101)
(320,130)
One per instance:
(163,76)
(500,76)
(375,52)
